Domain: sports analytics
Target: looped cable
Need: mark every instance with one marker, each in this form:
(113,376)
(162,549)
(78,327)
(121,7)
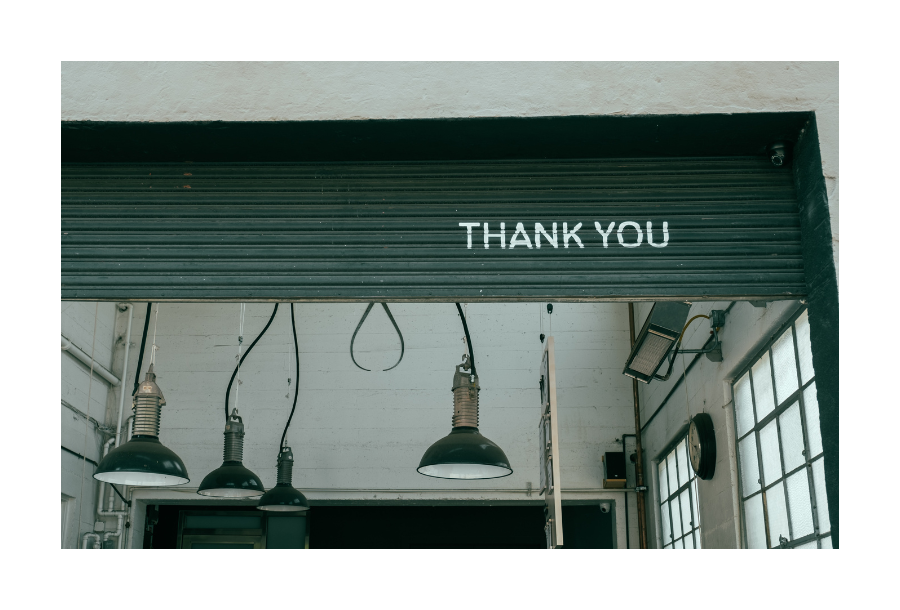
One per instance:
(358,326)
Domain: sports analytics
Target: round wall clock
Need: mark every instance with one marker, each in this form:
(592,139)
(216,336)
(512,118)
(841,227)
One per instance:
(702,446)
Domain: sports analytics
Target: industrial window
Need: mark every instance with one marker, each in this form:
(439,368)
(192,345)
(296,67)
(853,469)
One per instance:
(678,514)
(782,473)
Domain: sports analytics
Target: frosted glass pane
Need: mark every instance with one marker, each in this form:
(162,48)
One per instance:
(813,431)
(749,465)
(771,457)
(694,498)
(664,522)
(663,481)
(762,387)
(679,544)
(668,546)
(809,545)
(687,521)
(791,437)
(755,523)
(676,518)
(777,512)
(698,539)
(801,509)
(818,469)
(743,405)
(684,470)
(826,542)
(673,473)
(688,542)
(803,347)
(784,363)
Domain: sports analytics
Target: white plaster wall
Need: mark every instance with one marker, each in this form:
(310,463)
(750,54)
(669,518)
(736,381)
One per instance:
(747,329)
(306,91)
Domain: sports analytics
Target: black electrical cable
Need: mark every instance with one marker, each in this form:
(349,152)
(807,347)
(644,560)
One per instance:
(468,340)
(247,353)
(297,380)
(116,489)
(137,373)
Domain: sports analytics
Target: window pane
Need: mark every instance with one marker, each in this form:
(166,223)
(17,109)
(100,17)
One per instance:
(784,364)
(668,546)
(809,545)
(743,405)
(803,347)
(664,522)
(813,431)
(826,542)
(694,498)
(801,509)
(663,482)
(686,519)
(776,509)
(791,437)
(684,470)
(688,542)
(675,506)
(762,387)
(749,465)
(818,469)
(679,544)
(769,449)
(673,473)
(754,522)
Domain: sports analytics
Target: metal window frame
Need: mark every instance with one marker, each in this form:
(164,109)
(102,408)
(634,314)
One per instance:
(693,497)
(780,408)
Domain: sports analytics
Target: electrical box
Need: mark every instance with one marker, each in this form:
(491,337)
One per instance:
(614,466)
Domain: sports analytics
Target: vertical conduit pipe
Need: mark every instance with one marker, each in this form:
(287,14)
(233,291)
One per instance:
(124,376)
(639,464)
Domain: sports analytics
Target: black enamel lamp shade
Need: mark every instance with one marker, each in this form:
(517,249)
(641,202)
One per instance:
(465,454)
(142,461)
(231,480)
(285,498)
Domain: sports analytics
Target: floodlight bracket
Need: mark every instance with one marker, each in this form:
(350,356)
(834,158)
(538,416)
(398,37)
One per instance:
(713,352)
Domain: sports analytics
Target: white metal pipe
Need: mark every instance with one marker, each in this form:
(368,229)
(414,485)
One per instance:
(95,536)
(130,308)
(120,519)
(101,370)
(110,512)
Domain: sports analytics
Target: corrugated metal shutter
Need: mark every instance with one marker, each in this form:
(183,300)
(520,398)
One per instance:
(376,231)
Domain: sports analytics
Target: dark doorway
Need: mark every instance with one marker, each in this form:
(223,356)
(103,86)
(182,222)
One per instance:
(415,527)
(426,527)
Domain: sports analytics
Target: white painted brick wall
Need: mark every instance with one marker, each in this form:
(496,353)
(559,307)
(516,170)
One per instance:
(367,430)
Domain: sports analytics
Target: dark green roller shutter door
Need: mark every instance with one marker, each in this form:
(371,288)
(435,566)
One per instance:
(378,231)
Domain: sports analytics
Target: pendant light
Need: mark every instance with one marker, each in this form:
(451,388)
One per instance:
(232,479)
(284,497)
(465,453)
(143,460)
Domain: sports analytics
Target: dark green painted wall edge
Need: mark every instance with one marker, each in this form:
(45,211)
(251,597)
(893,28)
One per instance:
(822,291)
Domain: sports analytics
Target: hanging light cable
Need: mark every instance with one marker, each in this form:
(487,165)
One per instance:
(284,497)
(143,460)
(465,453)
(232,479)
